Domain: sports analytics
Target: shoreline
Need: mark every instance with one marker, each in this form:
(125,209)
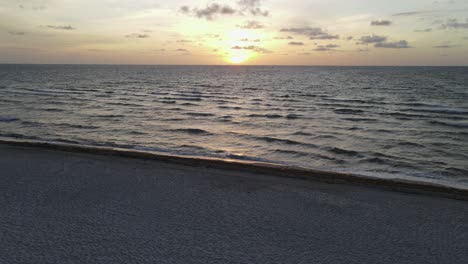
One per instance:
(395,184)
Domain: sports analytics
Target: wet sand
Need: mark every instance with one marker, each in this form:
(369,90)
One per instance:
(69,207)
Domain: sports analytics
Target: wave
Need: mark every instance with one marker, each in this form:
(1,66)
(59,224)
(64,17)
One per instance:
(360,119)
(35,123)
(230,107)
(8,119)
(168,101)
(437,111)
(347,111)
(266,115)
(293,116)
(182,98)
(449,124)
(283,141)
(341,151)
(199,114)
(125,104)
(110,116)
(194,131)
(302,133)
(189,104)
(292,152)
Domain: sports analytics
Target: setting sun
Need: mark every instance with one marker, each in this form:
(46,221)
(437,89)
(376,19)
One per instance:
(237,57)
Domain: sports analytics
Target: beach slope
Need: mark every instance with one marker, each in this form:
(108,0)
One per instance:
(70,207)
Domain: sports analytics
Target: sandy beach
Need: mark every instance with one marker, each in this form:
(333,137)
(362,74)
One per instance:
(71,207)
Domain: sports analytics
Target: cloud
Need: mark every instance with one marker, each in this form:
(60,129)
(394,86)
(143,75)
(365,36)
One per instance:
(329,47)
(372,39)
(311,32)
(251,24)
(252,48)
(402,44)
(426,30)
(252,7)
(181,50)
(183,41)
(249,40)
(381,23)
(60,27)
(349,38)
(296,43)
(184,9)
(137,35)
(444,46)
(16,33)
(286,37)
(209,12)
(362,50)
(213,10)
(454,24)
(413,13)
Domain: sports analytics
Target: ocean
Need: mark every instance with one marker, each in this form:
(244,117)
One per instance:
(391,122)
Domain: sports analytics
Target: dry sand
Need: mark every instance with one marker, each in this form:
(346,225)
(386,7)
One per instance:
(69,207)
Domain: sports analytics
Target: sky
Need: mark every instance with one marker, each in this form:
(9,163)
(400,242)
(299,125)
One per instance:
(250,32)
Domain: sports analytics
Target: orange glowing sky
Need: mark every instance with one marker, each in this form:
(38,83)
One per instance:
(268,32)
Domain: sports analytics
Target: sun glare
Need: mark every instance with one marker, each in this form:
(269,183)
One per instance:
(238,57)
(236,43)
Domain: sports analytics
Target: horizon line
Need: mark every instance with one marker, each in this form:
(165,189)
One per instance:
(232,65)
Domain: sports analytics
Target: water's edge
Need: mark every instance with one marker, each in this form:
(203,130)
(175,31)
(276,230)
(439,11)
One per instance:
(395,184)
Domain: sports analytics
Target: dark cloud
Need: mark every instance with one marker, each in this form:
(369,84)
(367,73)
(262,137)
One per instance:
(21,6)
(349,38)
(184,9)
(252,7)
(181,50)
(304,53)
(251,25)
(16,33)
(137,35)
(381,23)
(252,48)
(444,46)
(371,39)
(183,41)
(214,10)
(209,12)
(423,30)
(402,44)
(60,27)
(296,43)
(454,24)
(311,32)
(329,47)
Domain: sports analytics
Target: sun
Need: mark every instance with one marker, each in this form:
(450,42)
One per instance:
(238,57)
(240,39)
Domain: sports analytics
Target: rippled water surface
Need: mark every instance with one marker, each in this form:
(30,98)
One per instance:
(379,121)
